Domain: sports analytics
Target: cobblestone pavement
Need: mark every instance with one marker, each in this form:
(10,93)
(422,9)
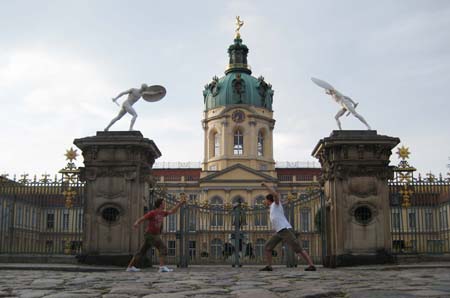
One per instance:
(62,281)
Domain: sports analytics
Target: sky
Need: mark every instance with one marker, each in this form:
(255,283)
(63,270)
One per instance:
(61,62)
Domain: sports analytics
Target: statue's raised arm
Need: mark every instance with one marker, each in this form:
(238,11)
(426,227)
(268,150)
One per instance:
(347,104)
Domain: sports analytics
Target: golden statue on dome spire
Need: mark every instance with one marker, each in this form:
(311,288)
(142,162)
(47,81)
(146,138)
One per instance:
(239,24)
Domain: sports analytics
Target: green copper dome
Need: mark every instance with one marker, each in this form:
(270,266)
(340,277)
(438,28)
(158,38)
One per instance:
(238,86)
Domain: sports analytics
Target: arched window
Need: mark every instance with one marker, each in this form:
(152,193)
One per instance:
(217,211)
(237,200)
(238,147)
(216,144)
(216,248)
(260,145)
(260,212)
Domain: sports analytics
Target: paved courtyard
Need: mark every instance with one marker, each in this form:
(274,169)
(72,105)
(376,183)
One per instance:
(58,281)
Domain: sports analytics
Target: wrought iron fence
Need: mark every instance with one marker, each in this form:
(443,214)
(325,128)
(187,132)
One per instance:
(41,216)
(420,212)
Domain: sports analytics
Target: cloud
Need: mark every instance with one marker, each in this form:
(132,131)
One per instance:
(50,95)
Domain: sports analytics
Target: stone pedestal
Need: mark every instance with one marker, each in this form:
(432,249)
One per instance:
(116,172)
(355,174)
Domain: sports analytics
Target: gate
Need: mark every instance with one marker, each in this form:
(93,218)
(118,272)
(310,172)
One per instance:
(235,234)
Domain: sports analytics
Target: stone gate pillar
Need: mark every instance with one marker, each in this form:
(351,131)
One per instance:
(116,172)
(355,173)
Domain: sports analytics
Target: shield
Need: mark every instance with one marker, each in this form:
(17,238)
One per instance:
(154,93)
(322,84)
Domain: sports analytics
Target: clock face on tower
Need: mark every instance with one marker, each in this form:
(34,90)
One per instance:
(238,116)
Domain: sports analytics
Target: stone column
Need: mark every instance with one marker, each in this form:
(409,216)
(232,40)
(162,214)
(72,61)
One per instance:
(355,174)
(116,172)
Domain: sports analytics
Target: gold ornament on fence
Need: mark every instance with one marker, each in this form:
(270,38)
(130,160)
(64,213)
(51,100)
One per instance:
(70,176)
(406,196)
(204,204)
(290,197)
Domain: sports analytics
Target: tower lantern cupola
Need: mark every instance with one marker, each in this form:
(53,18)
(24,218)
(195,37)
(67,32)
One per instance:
(238,52)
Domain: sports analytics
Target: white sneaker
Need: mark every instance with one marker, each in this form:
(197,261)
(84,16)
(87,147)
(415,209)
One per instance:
(132,269)
(164,269)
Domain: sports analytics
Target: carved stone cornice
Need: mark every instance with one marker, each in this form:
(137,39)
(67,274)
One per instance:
(355,153)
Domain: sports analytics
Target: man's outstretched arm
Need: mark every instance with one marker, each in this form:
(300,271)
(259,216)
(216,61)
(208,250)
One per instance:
(177,206)
(276,195)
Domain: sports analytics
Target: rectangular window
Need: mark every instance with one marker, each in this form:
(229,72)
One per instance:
(65,220)
(238,148)
(192,249)
(50,220)
(260,216)
(443,218)
(191,221)
(428,219)
(216,218)
(171,248)
(305,215)
(396,219)
(172,223)
(19,216)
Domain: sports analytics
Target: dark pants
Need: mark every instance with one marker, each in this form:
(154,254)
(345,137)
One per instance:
(286,235)
(151,240)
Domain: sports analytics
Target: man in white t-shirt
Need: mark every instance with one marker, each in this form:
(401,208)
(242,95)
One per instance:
(283,229)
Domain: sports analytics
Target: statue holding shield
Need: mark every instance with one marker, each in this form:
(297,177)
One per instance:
(151,94)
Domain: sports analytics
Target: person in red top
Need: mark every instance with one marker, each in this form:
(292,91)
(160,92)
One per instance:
(152,234)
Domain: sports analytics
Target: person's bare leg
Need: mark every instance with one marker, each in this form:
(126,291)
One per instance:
(268,254)
(307,258)
(132,262)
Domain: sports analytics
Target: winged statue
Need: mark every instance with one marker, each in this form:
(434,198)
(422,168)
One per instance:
(346,103)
